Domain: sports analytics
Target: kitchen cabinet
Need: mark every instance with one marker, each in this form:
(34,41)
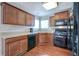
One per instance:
(16,16)
(16,45)
(30,20)
(51,21)
(50,38)
(37,39)
(21,17)
(62,15)
(9,14)
(58,16)
(23,45)
(44,38)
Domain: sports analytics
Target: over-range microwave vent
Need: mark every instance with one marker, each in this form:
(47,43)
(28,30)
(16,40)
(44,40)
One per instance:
(60,22)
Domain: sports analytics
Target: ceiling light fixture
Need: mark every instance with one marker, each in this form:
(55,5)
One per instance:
(50,5)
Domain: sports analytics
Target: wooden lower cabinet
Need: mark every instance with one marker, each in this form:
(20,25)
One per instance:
(16,45)
(23,44)
(44,38)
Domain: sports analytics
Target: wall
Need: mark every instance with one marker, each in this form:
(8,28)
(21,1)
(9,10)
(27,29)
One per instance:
(36,27)
(0,14)
(38,10)
(0,35)
(62,7)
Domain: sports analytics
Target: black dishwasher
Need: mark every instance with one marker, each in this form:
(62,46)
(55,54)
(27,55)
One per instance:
(31,41)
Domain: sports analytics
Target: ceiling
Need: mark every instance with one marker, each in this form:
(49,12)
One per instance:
(37,9)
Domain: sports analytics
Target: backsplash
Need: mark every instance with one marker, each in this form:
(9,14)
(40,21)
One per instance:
(12,28)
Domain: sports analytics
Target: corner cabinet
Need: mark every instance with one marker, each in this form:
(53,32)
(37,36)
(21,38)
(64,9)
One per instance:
(16,45)
(16,16)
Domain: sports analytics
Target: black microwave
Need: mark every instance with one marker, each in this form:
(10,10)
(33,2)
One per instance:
(60,22)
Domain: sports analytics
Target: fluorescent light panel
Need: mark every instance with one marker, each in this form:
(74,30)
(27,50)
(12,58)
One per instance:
(50,5)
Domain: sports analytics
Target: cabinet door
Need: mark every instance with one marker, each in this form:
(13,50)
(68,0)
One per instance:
(57,17)
(37,39)
(23,45)
(13,48)
(42,39)
(62,15)
(49,38)
(16,45)
(52,21)
(21,17)
(30,20)
(9,14)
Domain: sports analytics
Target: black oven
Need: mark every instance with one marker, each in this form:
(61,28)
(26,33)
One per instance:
(60,34)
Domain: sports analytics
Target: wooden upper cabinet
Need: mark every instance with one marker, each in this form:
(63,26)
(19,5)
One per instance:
(58,16)
(52,21)
(9,14)
(30,19)
(62,15)
(21,17)
(15,16)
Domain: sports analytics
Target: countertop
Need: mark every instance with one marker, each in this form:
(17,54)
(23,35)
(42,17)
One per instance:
(5,35)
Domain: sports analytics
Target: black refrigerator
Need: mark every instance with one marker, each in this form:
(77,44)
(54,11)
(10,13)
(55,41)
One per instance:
(75,45)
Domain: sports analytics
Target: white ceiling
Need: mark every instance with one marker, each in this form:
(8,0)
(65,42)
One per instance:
(37,9)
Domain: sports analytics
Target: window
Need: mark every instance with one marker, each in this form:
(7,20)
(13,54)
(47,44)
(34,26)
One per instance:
(36,23)
(44,24)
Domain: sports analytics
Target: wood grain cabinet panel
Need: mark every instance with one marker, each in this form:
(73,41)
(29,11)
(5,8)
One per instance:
(21,17)
(30,20)
(44,38)
(23,45)
(52,21)
(16,45)
(9,14)
(15,16)
(14,49)
(58,16)
(50,38)
(62,15)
